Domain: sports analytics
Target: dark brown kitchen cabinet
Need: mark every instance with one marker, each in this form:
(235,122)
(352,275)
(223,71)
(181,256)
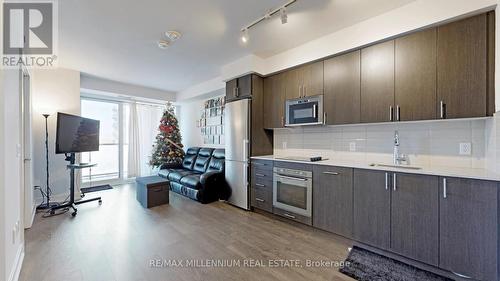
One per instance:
(377,83)
(415,76)
(414,217)
(372,208)
(274,101)
(341,101)
(304,81)
(462,66)
(239,88)
(332,199)
(468,237)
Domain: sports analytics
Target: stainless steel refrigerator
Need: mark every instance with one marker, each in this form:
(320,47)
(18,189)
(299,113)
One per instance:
(237,126)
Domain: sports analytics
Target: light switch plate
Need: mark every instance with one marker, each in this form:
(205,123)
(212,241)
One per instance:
(465,148)
(352,146)
(284,145)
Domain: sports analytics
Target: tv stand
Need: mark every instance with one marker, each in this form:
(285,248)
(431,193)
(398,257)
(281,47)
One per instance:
(70,157)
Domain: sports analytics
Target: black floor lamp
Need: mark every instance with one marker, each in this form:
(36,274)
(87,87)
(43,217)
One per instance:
(47,204)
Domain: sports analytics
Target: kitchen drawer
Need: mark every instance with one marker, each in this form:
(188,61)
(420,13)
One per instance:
(262,164)
(262,173)
(262,199)
(292,216)
(260,184)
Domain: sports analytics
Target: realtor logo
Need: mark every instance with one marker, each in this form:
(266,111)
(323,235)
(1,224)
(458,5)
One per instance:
(28,34)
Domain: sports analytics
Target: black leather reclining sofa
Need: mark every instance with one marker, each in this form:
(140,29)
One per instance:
(200,176)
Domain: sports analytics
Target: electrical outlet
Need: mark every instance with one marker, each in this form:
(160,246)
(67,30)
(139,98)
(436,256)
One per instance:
(284,144)
(465,148)
(352,146)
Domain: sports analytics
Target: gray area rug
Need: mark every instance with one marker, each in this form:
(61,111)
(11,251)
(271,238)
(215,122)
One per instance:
(368,266)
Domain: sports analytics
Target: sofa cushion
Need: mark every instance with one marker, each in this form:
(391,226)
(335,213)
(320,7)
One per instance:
(192,181)
(178,175)
(165,172)
(190,158)
(202,160)
(217,161)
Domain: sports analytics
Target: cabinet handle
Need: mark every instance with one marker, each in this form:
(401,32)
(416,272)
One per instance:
(260,175)
(391,113)
(282,121)
(237,92)
(315,111)
(394,180)
(258,164)
(444,188)
(331,173)
(324,118)
(289,216)
(259,185)
(398,113)
(442,110)
(386,181)
(259,200)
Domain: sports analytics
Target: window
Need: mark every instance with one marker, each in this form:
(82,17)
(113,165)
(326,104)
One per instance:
(113,140)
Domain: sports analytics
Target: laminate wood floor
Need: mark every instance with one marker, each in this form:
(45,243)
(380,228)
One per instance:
(119,239)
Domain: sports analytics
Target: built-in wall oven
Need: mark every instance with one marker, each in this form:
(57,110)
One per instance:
(292,191)
(304,111)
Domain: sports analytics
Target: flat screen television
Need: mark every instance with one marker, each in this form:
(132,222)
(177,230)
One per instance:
(76,134)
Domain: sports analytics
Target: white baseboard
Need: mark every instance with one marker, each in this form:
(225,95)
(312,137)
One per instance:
(18,264)
(32,219)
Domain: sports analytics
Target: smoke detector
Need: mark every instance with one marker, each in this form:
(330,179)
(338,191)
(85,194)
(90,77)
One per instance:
(163,44)
(173,35)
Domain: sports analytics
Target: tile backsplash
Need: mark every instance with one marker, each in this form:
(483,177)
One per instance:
(427,143)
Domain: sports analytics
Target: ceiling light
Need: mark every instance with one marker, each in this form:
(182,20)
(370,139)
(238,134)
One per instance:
(283,15)
(163,44)
(173,35)
(244,36)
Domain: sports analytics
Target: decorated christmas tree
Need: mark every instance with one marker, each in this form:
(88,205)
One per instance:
(168,146)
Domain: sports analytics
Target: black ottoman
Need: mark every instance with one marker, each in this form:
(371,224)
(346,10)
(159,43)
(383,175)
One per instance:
(152,191)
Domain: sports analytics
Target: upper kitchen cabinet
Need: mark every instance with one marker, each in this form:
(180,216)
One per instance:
(415,76)
(239,88)
(377,83)
(304,81)
(463,86)
(342,96)
(274,101)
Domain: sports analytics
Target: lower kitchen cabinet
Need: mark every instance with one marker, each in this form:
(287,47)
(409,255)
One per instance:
(468,218)
(372,208)
(414,217)
(332,199)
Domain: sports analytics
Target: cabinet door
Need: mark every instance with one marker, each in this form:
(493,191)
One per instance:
(462,68)
(414,217)
(231,89)
(245,86)
(332,199)
(274,101)
(372,208)
(377,83)
(293,83)
(415,76)
(468,227)
(311,78)
(342,89)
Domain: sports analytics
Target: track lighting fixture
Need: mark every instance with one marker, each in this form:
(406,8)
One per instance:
(283,16)
(244,36)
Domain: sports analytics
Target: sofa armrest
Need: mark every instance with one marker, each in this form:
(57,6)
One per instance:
(209,176)
(171,166)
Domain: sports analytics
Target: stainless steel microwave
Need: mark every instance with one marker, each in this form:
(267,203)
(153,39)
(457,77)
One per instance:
(304,111)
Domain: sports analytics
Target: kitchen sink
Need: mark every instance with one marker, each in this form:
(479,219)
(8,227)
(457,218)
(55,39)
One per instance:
(395,166)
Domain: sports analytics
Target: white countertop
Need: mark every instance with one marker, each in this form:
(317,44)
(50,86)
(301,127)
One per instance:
(480,174)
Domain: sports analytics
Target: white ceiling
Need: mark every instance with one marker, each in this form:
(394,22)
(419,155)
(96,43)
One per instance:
(116,39)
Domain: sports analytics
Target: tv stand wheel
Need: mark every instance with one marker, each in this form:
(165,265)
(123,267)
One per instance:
(100,201)
(73,214)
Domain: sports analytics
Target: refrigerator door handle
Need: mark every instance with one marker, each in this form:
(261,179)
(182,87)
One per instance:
(245,150)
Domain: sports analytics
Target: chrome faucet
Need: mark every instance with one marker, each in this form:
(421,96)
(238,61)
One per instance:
(398,158)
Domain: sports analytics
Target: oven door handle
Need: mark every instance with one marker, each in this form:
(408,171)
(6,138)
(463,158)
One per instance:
(290,178)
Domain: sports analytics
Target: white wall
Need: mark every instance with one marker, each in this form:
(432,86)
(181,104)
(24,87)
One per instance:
(97,85)
(2,163)
(53,91)
(11,181)
(188,113)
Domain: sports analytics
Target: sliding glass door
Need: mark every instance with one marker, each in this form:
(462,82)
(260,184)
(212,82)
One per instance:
(110,157)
